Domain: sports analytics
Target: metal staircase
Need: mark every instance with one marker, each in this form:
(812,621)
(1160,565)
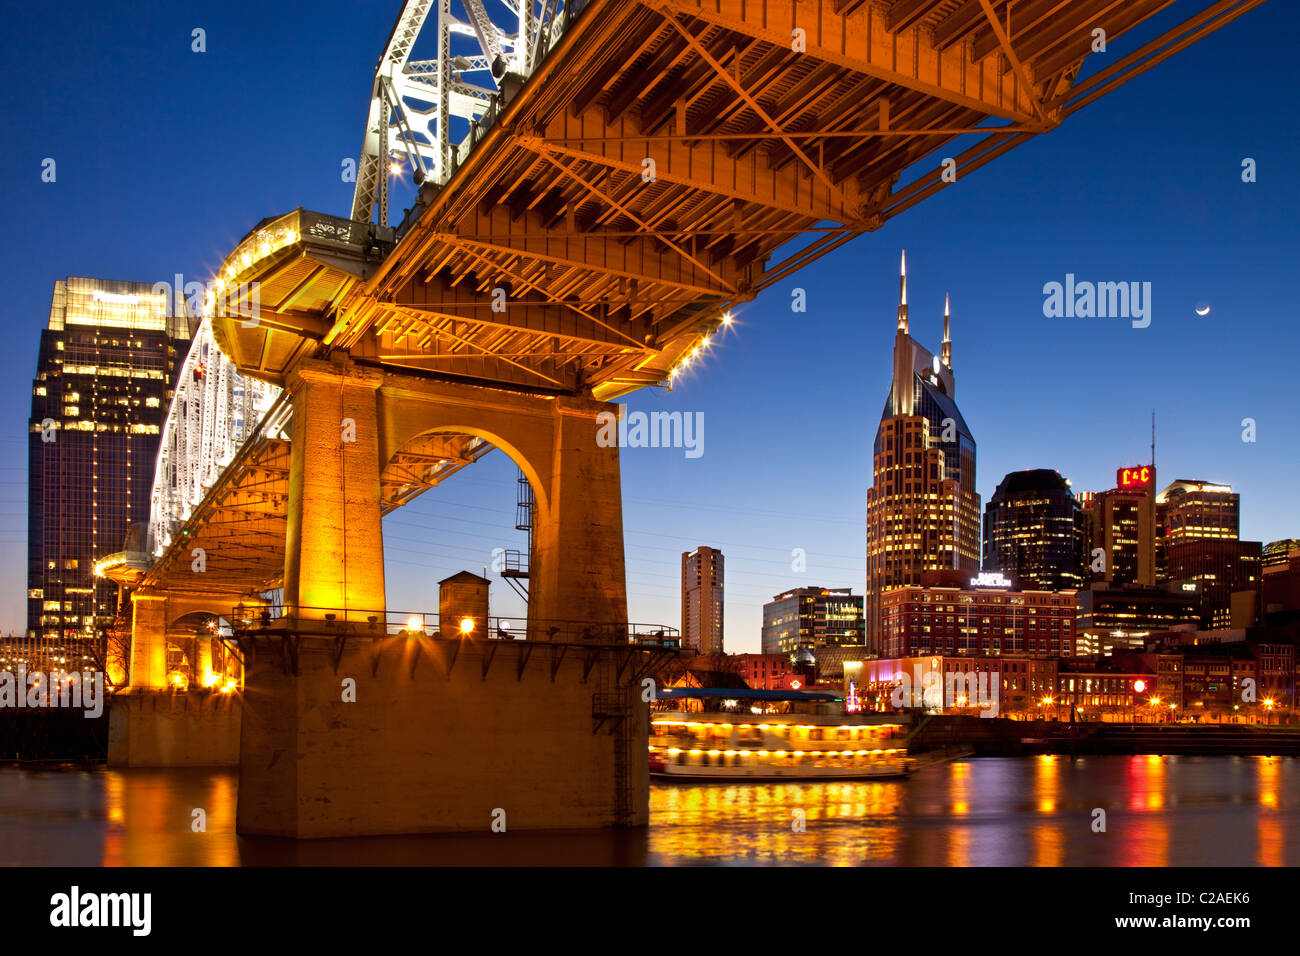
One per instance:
(610,708)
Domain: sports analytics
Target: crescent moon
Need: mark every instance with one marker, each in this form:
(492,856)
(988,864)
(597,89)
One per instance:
(1203,310)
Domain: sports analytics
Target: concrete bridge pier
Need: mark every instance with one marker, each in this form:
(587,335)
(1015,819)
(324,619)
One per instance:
(154,723)
(349,732)
(423,735)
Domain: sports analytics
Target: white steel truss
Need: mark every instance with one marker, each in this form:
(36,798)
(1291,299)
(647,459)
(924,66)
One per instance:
(413,102)
(213,412)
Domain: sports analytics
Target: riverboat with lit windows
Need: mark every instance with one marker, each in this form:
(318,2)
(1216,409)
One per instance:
(728,747)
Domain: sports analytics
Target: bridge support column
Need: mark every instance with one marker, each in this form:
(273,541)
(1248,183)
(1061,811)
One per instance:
(578,572)
(153,724)
(334,547)
(149,641)
(426,735)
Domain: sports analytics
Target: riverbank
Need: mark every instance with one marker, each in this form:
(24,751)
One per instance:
(1000,737)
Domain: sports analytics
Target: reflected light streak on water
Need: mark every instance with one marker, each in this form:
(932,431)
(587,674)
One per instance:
(1039,811)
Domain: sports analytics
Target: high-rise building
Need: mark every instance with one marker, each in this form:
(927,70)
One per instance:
(702,600)
(1280,584)
(1198,543)
(1119,617)
(922,510)
(807,617)
(1198,510)
(1033,531)
(104,380)
(1123,526)
(1218,569)
(1277,554)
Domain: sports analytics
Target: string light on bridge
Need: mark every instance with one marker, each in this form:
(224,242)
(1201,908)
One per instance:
(688,357)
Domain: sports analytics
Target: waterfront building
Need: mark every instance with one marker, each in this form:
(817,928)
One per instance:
(104,380)
(1105,691)
(1000,686)
(808,617)
(922,510)
(951,613)
(835,661)
(702,576)
(1034,531)
(764,671)
(1216,664)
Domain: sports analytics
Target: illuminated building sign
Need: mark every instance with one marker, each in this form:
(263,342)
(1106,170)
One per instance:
(1136,477)
(990,579)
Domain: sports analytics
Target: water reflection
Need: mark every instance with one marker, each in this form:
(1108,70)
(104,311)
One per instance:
(1179,811)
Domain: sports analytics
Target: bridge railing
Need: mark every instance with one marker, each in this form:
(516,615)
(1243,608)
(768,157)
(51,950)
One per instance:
(269,620)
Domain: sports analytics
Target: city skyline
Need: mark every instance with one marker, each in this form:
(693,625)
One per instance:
(608,434)
(1099,421)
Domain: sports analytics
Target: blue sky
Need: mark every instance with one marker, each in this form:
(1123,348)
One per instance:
(166,157)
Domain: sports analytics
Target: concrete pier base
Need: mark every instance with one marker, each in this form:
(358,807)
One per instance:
(151,728)
(443,735)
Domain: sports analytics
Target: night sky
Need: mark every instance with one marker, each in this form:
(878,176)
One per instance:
(166,157)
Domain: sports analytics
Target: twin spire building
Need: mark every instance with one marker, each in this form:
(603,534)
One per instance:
(922,510)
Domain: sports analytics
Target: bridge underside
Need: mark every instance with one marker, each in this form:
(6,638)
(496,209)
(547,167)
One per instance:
(638,185)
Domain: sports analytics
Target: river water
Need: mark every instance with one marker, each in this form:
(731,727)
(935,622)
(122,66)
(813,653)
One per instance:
(1029,811)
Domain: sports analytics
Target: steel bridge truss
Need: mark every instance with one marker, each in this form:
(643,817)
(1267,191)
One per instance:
(214,410)
(413,102)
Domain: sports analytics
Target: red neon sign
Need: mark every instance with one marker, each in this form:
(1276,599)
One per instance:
(1136,477)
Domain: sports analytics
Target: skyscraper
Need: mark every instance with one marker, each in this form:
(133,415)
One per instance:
(1276,554)
(1123,527)
(1199,543)
(922,510)
(1188,510)
(1033,530)
(808,617)
(104,379)
(702,600)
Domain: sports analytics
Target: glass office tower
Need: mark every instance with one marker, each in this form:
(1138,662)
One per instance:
(104,380)
(1033,531)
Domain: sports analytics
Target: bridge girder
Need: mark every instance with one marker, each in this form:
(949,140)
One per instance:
(758,137)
